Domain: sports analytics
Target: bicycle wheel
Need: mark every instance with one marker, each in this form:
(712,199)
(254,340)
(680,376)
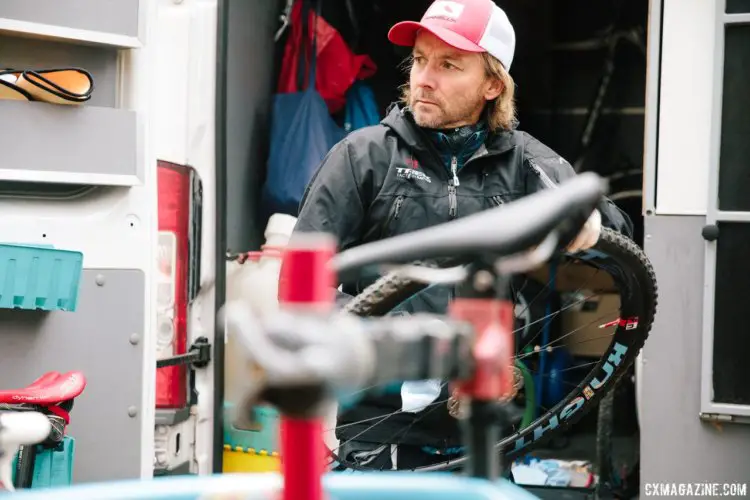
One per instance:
(630,276)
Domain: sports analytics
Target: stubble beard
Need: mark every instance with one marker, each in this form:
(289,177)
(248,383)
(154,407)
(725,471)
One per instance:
(442,118)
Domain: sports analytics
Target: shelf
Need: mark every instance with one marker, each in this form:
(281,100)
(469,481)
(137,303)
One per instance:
(110,23)
(52,143)
(58,33)
(34,54)
(581,111)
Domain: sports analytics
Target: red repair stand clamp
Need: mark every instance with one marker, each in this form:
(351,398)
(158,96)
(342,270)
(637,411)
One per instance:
(492,382)
(306,284)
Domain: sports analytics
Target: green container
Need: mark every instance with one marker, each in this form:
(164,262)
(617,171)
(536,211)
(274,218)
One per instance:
(264,436)
(39,277)
(53,467)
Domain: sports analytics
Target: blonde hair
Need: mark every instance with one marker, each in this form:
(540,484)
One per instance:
(501,111)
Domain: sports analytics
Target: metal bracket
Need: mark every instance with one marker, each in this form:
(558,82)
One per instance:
(181,470)
(172,417)
(198,356)
(722,418)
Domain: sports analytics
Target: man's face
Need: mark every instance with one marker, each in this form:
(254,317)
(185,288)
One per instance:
(448,86)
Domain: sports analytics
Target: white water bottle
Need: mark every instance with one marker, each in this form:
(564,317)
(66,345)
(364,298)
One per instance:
(19,429)
(254,284)
(240,280)
(278,231)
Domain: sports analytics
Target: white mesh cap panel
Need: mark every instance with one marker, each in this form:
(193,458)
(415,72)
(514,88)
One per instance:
(499,38)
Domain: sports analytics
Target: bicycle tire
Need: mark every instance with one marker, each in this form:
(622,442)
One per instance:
(635,280)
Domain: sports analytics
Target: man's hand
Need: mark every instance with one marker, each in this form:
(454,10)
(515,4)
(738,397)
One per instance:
(589,234)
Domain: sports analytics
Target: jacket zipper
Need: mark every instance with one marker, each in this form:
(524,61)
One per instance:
(399,202)
(497,201)
(452,199)
(392,214)
(452,184)
(542,175)
(454,170)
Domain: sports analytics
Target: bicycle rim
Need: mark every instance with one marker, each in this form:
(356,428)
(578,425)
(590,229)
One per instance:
(634,279)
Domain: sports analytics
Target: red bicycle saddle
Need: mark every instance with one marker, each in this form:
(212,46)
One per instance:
(50,389)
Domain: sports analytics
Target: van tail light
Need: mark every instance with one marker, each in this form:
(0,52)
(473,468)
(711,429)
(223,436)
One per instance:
(177,272)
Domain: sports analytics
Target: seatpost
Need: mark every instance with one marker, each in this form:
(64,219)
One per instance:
(306,284)
(484,301)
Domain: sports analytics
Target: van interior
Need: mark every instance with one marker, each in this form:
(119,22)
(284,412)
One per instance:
(580,74)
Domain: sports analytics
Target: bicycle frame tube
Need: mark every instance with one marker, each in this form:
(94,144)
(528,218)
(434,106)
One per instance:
(306,283)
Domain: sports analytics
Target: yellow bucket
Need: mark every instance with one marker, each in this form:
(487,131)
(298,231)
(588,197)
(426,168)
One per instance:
(239,459)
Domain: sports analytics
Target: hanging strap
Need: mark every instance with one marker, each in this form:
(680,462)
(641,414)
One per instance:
(309,40)
(355,26)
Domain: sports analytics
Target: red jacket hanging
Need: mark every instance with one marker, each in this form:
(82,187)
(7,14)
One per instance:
(337,67)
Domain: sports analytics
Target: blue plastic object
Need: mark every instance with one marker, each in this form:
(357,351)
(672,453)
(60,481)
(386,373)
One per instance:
(265,486)
(557,383)
(39,277)
(545,337)
(53,467)
(361,107)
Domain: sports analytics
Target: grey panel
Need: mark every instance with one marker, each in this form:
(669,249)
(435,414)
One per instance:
(95,340)
(675,445)
(57,138)
(27,53)
(109,16)
(250,55)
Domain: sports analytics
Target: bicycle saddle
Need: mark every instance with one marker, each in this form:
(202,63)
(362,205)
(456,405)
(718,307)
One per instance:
(50,389)
(504,230)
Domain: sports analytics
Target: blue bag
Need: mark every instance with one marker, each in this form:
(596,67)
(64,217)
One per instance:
(361,107)
(302,133)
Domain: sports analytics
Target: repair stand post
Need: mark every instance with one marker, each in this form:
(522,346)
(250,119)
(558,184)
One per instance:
(481,435)
(306,285)
(484,301)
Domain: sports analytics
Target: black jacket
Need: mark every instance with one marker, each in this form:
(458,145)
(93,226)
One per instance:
(389,179)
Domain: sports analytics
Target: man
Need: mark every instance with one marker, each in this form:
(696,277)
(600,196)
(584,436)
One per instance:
(448,150)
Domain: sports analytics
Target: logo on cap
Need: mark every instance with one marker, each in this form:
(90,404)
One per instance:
(444,9)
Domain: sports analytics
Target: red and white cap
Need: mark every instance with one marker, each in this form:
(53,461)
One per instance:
(471,25)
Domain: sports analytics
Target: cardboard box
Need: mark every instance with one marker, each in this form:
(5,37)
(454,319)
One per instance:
(576,276)
(585,320)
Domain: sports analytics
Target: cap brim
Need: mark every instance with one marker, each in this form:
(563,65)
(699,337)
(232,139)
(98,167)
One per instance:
(405,33)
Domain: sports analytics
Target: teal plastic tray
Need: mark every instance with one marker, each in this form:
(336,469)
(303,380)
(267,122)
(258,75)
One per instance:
(53,467)
(263,439)
(39,277)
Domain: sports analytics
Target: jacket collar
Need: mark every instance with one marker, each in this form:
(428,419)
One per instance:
(400,119)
